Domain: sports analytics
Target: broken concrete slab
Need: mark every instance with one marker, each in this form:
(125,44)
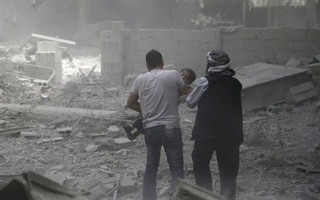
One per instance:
(266,84)
(302,92)
(186,191)
(58,177)
(50,110)
(12,132)
(37,37)
(124,143)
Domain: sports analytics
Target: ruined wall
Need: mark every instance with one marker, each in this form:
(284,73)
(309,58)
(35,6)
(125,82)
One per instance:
(185,48)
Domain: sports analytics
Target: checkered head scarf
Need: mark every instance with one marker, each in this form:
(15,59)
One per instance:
(217,61)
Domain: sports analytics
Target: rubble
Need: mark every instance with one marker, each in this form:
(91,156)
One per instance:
(278,138)
(302,92)
(124,143)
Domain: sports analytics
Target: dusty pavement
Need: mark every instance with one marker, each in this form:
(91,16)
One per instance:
(280,157)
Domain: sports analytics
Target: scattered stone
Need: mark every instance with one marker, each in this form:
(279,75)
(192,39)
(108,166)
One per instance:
(91,148)
(127,185)
(114,131)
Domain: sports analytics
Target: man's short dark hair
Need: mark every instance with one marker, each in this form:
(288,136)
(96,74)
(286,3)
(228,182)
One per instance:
(153,58)
(192,76)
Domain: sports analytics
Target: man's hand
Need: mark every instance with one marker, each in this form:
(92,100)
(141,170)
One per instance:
(133,103)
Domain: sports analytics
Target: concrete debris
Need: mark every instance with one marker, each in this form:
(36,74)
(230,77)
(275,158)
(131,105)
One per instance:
(293,63)
(54,139)
(2,122)
(65,132)
(109,144)
(113,129)
(315,72)
(30,135)
(95,151)
(77,148)
(12,132)
(124,143)
(260,80)
(56,111)
(186,191)
(60,178)
(91,148)
(302,92)
(127,185)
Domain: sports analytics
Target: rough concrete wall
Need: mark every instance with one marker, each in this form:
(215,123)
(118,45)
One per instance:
(182,48)
(277,46)
(185,48)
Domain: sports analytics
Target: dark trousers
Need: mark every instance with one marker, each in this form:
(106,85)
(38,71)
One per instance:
(227,152)
(171,140)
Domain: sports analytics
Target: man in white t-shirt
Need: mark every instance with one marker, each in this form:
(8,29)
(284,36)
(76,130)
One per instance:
(156,95)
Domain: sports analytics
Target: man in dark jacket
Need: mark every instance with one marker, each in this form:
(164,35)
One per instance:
(218,126)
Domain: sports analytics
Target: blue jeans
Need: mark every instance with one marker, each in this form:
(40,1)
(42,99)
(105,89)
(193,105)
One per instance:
(171,140)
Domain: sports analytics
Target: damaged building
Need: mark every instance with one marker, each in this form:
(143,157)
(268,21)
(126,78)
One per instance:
(67,68)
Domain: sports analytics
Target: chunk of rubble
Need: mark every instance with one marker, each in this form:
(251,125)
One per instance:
(124,143)
(301,92)
(91,148)
(113,131)
(29,135)
(127,185)
(58,178)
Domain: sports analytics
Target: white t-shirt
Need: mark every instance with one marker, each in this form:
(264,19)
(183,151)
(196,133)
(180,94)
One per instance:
(158,92)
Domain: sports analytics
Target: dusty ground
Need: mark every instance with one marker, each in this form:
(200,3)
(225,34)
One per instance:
(280,158)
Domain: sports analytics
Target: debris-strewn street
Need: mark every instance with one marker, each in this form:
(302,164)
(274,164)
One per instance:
(85,149)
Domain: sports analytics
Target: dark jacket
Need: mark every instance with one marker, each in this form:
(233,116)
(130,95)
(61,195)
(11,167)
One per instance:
(219,113)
